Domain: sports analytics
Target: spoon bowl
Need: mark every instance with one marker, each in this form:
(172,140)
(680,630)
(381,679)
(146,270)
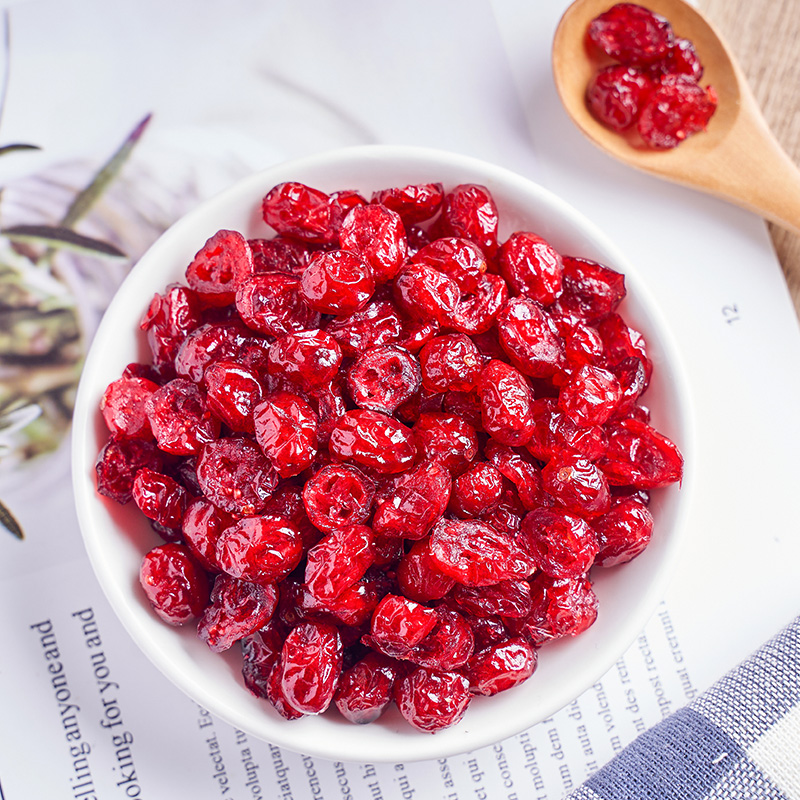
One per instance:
(736,158)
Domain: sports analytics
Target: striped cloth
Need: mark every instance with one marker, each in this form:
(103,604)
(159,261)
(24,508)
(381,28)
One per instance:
(740,740)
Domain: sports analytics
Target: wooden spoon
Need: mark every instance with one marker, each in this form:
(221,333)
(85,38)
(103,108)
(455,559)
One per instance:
(737,158)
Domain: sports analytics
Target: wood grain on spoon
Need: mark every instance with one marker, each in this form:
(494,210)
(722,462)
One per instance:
(737,158)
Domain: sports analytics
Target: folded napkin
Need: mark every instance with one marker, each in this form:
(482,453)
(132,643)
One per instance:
(740,740)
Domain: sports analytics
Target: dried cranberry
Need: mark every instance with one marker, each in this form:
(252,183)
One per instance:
(590,396)
(431,700)
(309,358)
(236,476)
(416,334)
(560,544)
(260,651)
(123,406)
(460,259)
(501,666)
(529,337)
(623,532)
(414,203)
(554,432)
(286,430)
(383,378)
(338,496)
(174,583)
(419,578)
(377,323)
(449,644)
(180,418)
(531,266)
(159,497)
(682,59)
(337,282)
(213,341)
(632,34)
(466,405)
(561,607)
(506,403)
(296,210)
(260,549)
(617,94)
(169,319)
(621,342)
(475,554)
(469,212)
(212,271)
(118,463)
(511,598)
(450,362)
(446,438)
(237,609)
(339,561)
(426,294)
(577,485)
(475,312)
(373,440)
(365,689)
(476,491)
(518,468)
(275,693)
(278,254)
(233,391)
(272,304)
(287,501)
(583,346)
(399,624)
(309,666)
(376,234)
(591,292)
(201,526)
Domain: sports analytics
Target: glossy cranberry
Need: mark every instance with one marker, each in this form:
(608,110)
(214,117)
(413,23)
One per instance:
(365,689)
(450,362)
(212,271)
(299,211)
(353,608)
(373,440)
(383,377)
(507,515)
(376,234)
(399,624)
(677,108)
(469,212)
(236,476)
(476,491)
(466,405)
(118,463)
(632,34)
(339,561)
(511,598)
(506,403)
(446,438)
(123,406)
(415,502)
(426,294)
(623,532)
(331,405)
(449,644)
(238,608)
(531,266)
(460,259)
(279,254)
(561,607)
(376,324)
(432,700)
(169,319)
(260,651)
(577,485)
(272,304)
(233,391)
(342,203)
(415,334)
(338,496)
(554,432)
(529,337)
(286,430)
(419,578)
(501,666)
(583,346)
(475,312)
(337,282)
(260,549)
(638,455)
(276,695)
(174,583)
(560,544)
(475,554)
(518,468)
(682,59)
(621,342)
(414,203)
(591,291)
(159,497)
(180,418)
(310,666)
(590,396)
(310,359)
(201,526)
(617,94)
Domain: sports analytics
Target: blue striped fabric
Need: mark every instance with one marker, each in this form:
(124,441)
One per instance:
(740,740)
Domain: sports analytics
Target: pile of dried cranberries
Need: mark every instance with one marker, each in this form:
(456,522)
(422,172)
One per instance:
(383,449)
(652,85)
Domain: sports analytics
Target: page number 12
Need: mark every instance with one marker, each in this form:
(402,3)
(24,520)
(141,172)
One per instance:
(730,313)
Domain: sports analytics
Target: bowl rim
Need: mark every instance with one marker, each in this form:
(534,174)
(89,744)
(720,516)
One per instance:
(298,735)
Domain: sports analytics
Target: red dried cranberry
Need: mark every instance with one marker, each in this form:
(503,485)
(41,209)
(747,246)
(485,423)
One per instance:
(399,624)
(260,549)
(168,320)
(466,405)
(450,362)
(309,666)
(475,554)
(446,438)
(419,578)
(577,485)
(383,378)
(353,607)
(554,432)
(590,396)
(414,203)
(476,491)
(632,34)
(296,210)
(272,304)
(236,476)
(506,403)
(337,282)
(376,234)
(123,407)
(365,689)
(180,418)
(378,323)
(591,292)
(260,651)
(118,463)
(342,203)
(460,259)
(212,271)
(201,526)
(286,430)
(583,346)
(501,666)
(159,497)
(529,337)
(518,468)
(309,358)
(449,644)
(431,700)
(237,609)
(373,440)
(677,108)
(339,561)
(426,294)
(560,544)
(623,532)
(417,500)
(531,266)
(682,59)
(338,496)
(469,212)
(174,583)
(233,391)
(617,94)
(507,599)
(475,312)
(278,254)
(621,342)
(213,341)
(415,334)
(561,607)
(276,696)
(330,407)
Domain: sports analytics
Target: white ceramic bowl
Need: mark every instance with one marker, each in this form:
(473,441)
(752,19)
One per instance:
(117,537)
